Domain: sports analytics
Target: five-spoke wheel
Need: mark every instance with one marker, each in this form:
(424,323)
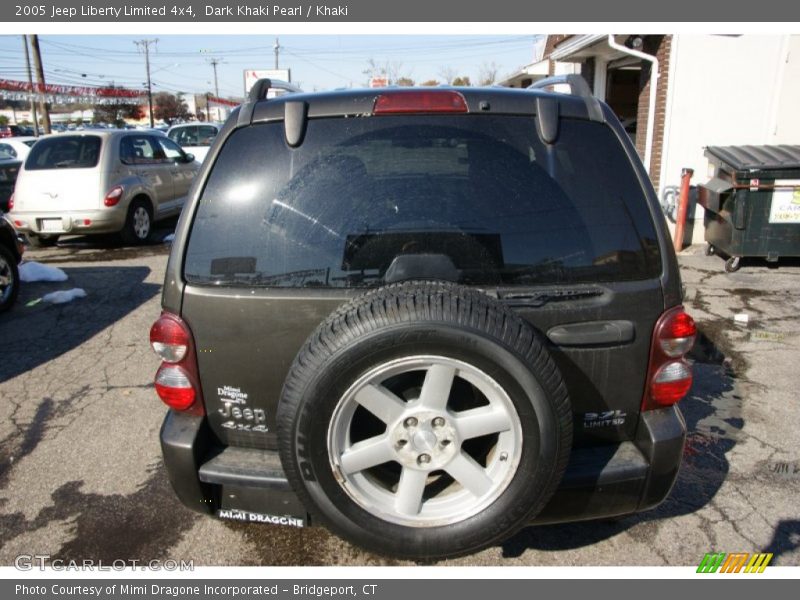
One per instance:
(450,443)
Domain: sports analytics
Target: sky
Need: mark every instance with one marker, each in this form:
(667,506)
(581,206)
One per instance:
(181,63)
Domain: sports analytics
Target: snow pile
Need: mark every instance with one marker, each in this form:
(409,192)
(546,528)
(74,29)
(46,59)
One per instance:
(169,238)
(34,271)
(63,296)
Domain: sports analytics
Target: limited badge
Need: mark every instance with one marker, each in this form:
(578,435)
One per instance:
(609,418)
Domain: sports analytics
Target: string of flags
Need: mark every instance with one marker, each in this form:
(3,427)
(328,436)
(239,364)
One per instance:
(222,101)
(66,94)
(70,94)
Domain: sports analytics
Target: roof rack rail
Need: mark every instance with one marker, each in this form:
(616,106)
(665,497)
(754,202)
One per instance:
(576,83)
(578,87)
(262,86)
(259,92)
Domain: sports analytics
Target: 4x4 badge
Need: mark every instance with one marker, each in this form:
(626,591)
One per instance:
(239,416)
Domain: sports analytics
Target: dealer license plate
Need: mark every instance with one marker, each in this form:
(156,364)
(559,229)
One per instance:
(52,225)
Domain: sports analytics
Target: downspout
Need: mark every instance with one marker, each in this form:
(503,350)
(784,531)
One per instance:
(651,111)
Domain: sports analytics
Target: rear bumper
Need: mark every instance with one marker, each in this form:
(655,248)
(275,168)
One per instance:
(109,220)
(600,482)
(615,480)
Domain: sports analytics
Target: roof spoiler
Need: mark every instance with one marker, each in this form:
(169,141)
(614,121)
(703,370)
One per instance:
(259,92)
(577,87)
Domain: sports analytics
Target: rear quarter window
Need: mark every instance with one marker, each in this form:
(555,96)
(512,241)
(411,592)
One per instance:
(477,197)
(65,152)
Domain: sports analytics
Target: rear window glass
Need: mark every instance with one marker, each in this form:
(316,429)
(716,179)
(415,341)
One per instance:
(65,152)
(140,150)
(473,198)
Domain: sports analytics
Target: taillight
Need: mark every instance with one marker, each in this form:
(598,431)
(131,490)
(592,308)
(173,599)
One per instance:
(669,376)
(432,101)
(113,196)
(11,203)
(177,381)
(170,338)
(174,387)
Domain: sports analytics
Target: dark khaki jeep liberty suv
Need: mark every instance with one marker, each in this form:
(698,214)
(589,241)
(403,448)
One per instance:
(423,318)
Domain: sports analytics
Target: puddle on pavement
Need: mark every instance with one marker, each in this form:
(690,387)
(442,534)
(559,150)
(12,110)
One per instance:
(142,526)
(68,254)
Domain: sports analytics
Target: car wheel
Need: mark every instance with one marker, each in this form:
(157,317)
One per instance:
(424,420)
(42,241)
(138,224)
(9,279)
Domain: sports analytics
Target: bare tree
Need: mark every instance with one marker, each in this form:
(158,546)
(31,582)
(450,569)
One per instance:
(374,69)
(390,69)
(448,74)
(394,69)
(487,73)
(462,80)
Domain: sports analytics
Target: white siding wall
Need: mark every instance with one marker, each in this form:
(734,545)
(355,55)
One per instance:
(728,90)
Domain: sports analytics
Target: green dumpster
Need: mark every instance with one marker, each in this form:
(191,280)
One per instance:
(752,202)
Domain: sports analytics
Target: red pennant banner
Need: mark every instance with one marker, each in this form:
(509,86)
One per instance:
(70,90)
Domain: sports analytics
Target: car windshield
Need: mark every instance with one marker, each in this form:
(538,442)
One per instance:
(472,198)
(64,152)
(184,136)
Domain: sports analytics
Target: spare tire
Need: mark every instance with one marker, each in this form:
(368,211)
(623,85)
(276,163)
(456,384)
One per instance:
(424,420)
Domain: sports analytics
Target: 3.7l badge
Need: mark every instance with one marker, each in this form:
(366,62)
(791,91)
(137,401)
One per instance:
(608,418)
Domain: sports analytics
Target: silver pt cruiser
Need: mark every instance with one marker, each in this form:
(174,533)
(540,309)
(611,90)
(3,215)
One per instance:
(100,182)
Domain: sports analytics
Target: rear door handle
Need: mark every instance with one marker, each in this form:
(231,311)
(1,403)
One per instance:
(591,333)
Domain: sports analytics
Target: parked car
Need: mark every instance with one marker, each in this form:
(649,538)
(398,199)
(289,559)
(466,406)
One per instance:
(11,250)
(101,182)
(16,147)
(9,169)
(423,319)
(7,131)
(194,137)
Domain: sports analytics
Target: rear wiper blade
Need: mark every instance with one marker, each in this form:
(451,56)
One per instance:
(536,299)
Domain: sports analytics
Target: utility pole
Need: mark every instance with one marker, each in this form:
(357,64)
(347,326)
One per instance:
(30,83)
(277,49)
(144,46)
(37,63)
(214,62)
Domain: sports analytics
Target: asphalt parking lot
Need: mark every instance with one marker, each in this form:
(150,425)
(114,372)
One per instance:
(80,465)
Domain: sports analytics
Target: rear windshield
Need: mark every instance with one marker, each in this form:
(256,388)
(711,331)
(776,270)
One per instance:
(64,152)
(472,198)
